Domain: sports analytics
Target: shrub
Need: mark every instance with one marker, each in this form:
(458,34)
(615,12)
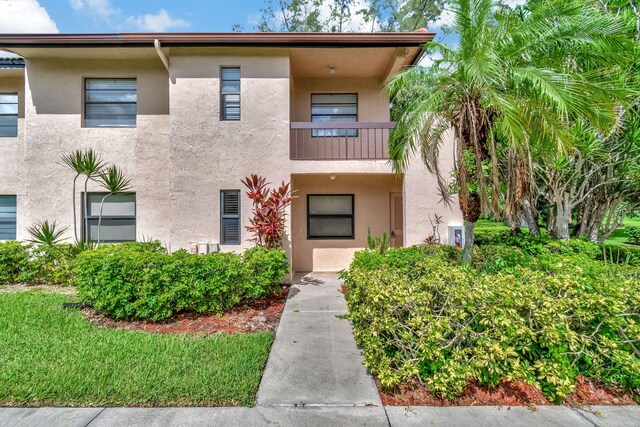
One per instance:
(633,234)
(15,262)
(141,281)
(444,325)
(35,264)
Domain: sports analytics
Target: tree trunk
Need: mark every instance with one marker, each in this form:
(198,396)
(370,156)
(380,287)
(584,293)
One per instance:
(85,213)
(75,211)
(531,219)
(100,218)
(563,213)
(469,238)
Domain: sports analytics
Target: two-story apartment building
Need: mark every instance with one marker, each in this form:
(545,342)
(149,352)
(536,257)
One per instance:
(188,115)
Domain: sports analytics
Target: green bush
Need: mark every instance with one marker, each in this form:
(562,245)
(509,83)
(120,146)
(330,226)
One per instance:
(422,316)
(33,264)
(15,262)
(142,282)
(620,254)
(633,234)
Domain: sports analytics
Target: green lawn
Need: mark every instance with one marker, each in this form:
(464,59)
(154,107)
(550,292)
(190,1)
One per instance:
(620,235)
(51,356)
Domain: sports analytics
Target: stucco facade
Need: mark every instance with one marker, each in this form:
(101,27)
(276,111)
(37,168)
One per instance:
(181,155)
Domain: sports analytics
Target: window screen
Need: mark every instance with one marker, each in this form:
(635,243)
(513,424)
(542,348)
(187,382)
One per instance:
(230,93)
(118,218)
(8,217)
(230,217)
(330,216)
(110,103)
(8,114)
(334,108)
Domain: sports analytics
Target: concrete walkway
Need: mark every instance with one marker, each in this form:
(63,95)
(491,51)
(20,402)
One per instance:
(315,377)
(314,360)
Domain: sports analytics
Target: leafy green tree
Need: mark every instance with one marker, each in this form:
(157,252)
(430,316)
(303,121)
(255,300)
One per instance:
(499,86)
(346,15)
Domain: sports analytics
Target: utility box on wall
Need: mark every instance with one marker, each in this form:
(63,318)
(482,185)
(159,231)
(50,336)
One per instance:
(456,235)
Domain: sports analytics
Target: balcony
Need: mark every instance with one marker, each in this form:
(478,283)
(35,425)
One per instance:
(340,141)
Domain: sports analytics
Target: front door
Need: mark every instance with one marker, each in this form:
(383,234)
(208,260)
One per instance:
(397,220)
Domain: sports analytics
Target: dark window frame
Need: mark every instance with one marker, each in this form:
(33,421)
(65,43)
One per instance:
(223,105)
(15,229)
(85,102)
(352,216)
(224,216)
(347,132)
(86,219)
(16,115)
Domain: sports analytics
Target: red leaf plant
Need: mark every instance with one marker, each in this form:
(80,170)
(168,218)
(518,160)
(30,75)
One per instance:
(267,223)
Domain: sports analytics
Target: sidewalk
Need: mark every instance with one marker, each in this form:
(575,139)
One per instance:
(315,377)
(314,360)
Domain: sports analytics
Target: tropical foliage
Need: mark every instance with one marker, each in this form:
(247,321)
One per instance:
(537,311)
(269,211)
(520,84)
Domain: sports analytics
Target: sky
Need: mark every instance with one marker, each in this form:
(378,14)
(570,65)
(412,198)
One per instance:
(117,16)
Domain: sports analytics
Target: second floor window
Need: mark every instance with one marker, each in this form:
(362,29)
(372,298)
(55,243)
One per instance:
(110,103)
(8,114)
(334,108)
(230,93)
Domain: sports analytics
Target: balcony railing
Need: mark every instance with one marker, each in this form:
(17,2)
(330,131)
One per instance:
(340,141)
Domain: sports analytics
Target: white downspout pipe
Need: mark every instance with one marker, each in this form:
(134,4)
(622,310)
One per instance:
(163,57)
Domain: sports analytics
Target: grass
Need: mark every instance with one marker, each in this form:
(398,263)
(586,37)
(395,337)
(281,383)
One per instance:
(620,235)
(51,356)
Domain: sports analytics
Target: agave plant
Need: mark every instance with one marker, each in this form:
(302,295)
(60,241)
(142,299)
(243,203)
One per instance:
(114,181)
(46,233)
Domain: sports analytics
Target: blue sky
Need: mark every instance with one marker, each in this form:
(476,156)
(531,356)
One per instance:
(103,16)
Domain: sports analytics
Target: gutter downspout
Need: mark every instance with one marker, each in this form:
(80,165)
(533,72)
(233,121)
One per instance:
(163,57)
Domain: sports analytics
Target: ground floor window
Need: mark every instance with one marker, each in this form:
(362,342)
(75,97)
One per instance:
(330,216)
(8,217)
(118,218)
(230,217)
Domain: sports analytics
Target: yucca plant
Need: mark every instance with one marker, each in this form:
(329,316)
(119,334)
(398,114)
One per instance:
(75,162)
(114,181)
(92,166)
(46,233)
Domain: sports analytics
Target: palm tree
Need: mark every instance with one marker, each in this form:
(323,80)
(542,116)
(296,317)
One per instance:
(75,162)
(114,181)
(92,166)
(509,82)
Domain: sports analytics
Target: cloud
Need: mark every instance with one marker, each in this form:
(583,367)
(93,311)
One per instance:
(103,9)
(25,16)
(98,8)
(157,23)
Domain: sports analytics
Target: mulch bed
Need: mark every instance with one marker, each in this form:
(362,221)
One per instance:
(507,393)
(255,316)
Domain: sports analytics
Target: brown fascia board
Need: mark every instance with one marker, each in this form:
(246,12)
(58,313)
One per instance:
(413,39)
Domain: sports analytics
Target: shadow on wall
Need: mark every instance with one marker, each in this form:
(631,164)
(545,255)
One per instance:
(57,85)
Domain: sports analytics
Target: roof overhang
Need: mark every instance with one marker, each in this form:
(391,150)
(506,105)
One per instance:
(413,39)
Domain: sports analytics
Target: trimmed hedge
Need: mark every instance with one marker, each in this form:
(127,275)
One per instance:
(135,281)
(544,318)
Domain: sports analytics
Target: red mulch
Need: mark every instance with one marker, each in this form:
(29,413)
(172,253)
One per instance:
(507,393)
(255,316)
